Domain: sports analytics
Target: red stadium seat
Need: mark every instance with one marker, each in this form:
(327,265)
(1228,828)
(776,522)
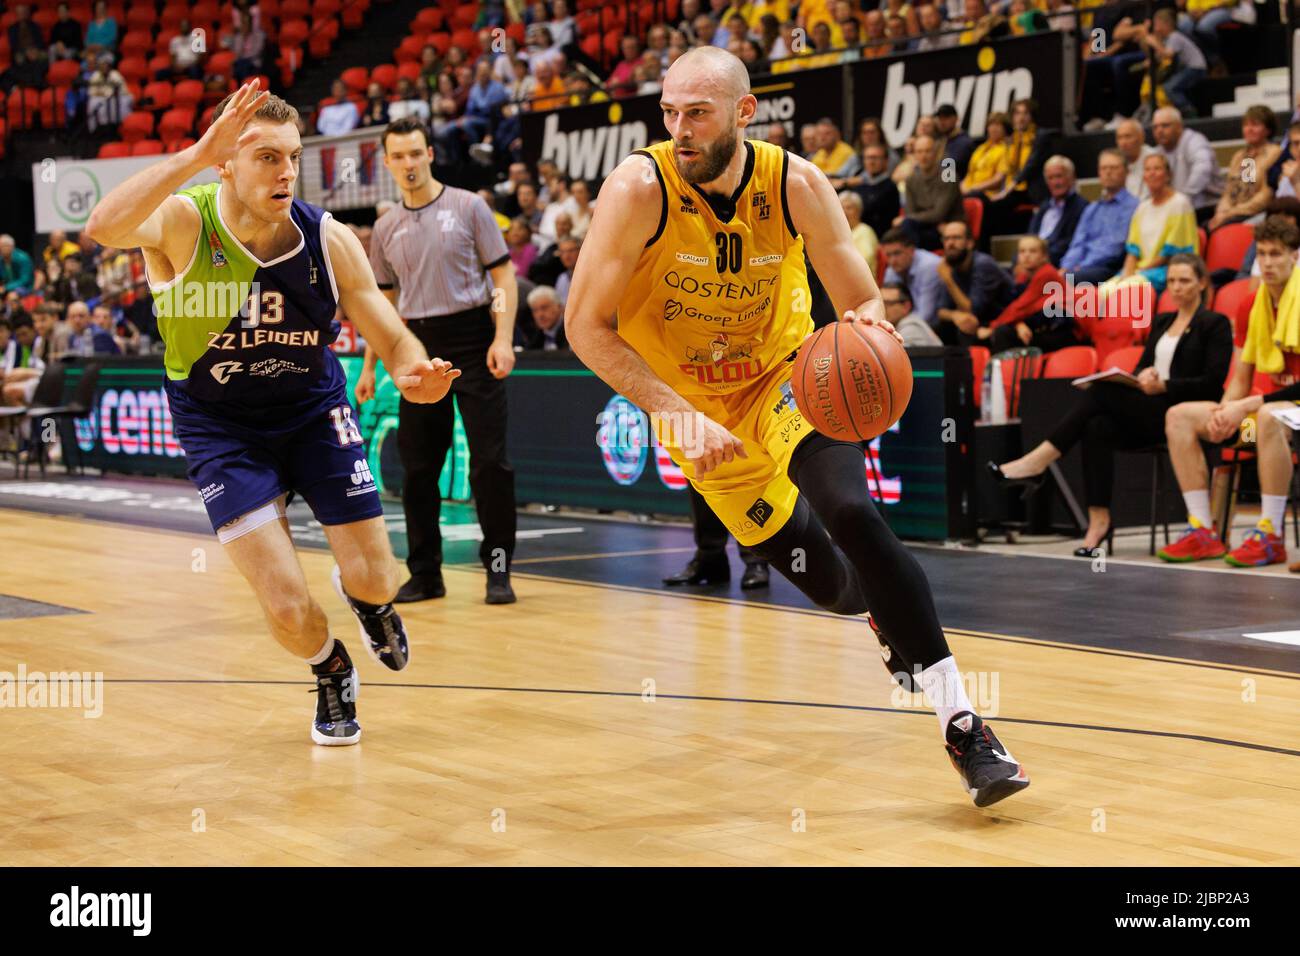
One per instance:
(409,71)
(1071,362)
(467,40)
(428,20)
(295,9)
(355,79)
(1166,302)
(208,12)
(172,15)
(1229,298)
(323,35)
(974,215)
(53,112)
(134,69)
(176,124)
(176,145)
(293,32)
(517,32)
(409,50)
(136,126)
(160,64)
(141,16)
(353,17)
(114,150)
(1228,245)
(979,360)
(136,43)
(1200,241)
(1126,358)
(464,16)
(385,74)
(157,96)
(590,45)
(187,94)
(441,42)
(325,8)
(220,63)
(147,147)
(62,73)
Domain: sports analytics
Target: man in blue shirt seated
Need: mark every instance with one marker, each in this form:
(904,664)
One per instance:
(975,289)
(1097,250)
(1057,216)
(915,268)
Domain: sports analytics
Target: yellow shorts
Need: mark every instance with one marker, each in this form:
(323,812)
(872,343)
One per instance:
(753,496)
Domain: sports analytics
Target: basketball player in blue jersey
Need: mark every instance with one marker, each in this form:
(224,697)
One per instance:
(246,280)
(649,296)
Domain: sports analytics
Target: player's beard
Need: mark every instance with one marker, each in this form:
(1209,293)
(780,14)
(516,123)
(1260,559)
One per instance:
(711,162)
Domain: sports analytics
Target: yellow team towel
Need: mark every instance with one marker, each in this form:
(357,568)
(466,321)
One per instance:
(1267,337)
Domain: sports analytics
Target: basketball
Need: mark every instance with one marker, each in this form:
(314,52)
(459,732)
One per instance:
(851,381)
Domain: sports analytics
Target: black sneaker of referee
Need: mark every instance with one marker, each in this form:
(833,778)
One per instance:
(336,700)
(988,772)
(382,631)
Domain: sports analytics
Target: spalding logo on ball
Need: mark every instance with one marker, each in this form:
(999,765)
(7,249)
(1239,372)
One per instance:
(851,381)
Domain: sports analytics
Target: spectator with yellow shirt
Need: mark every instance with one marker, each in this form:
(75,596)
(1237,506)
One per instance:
(988,164)
(834,157)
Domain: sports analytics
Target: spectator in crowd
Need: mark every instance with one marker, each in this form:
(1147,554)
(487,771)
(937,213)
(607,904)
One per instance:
(1097,249)
(1024,19)
(126,337)
(808,145)
(409,102)
(241,7)
(878,192)
(1193,166)
(1185,360)
(247,43)
(185,60)
(1246,191)
(26,39)
(51,333)
(1288,166)
(81,334)
(568,248)
(834,157)
(1270,347)
(490,198)
(340,116)
(113,274)
(1058,215)
(870,133)
(975,289)
(526,198)
(65,36)
(547,90)
(108,99)
(916,268)
(931,197)
(581,208)
(1010,209)
(101,35)
(621,79)
(1288,207)
(1027,320)
(1201,21)
(548,316)
(864,237)
(73,283)
(1130,140)
(900,313)
(986,172)
(102,328)
(932,30)
(376,111)
(516,173)
(1162,226)
(1110,92)
(1183,59)
(560,202)
(564,30)
(16,273)
(20,366)
(954,143)
(523,251)
(778,136)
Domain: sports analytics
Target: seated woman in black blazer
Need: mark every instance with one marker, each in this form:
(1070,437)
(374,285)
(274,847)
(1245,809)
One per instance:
(1186,359)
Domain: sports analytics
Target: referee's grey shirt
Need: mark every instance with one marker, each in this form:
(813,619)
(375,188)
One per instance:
(438,255)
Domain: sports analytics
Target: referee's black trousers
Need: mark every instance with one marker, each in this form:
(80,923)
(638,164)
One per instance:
(424,437)
(1110,417)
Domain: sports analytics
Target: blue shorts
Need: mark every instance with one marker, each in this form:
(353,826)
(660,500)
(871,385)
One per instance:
(241,458)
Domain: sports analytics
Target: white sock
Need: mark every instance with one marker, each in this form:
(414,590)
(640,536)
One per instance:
(944,691)
(321,656)
(1273,507)
(1198,506)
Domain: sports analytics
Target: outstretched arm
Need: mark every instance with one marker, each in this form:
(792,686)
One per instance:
(416,376)
(818,216)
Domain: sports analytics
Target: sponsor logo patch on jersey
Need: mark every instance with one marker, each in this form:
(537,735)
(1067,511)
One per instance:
(764,260)
(223,370)
(696,260)
(218,253)
(274,368)
(759,512)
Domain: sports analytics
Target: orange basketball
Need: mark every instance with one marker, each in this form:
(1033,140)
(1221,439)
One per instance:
(851,381)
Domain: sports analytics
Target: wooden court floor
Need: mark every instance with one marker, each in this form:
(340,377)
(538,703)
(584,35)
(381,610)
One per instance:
(591,724)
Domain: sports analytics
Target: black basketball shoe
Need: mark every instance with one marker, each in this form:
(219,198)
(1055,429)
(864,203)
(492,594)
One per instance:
(382,632)
(899,671)
(337,686)
(988,773)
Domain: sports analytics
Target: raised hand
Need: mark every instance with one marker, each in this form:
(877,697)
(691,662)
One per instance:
(223,138)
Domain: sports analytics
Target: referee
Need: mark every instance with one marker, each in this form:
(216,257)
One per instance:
(432,256)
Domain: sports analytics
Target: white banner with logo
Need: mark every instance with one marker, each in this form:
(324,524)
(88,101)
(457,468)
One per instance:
(66,190)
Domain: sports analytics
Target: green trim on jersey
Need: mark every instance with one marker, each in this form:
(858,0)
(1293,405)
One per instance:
(204,299)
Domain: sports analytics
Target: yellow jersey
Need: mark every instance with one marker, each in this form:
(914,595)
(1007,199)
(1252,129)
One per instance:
(720,297)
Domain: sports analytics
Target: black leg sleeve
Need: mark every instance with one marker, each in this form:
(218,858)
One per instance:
(830,474)
(804,553)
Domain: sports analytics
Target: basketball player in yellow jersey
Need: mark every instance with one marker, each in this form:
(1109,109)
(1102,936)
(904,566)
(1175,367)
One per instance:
(690,298)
